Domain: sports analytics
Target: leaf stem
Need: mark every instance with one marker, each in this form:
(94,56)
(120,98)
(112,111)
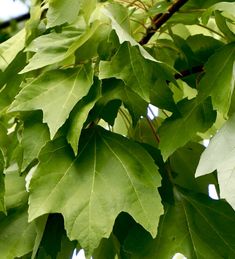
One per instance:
(211,30)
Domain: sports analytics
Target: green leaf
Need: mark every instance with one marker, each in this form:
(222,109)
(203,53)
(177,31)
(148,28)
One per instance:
(87,8)
(120,23)
(55,93)
(80,114)
(10,81)
(56,47)
(53,236)
(128,64)
(35,136)
(95,195)
(2,185)
(51,48)
(17,236)
(116,89)
(60,12)
(177,130)
(223,6)
(108,248)
(10,48)
(40,224)
(220,155)
(195,226)
(218,81)
(184,163)
(222,25)
(15,194)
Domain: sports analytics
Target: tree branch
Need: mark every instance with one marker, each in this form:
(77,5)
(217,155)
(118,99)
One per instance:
(160,19)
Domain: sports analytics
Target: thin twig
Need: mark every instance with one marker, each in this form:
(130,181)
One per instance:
(193,70)
(153,130)
(160,19)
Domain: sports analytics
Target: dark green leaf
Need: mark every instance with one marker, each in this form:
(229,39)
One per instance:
(177,130)
(2,185)
(195,226)
(138,73)
(218,81)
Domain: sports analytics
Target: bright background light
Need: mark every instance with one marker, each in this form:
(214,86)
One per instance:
(11,9)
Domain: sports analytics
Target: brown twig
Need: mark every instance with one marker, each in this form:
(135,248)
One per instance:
(153,130)
(160,19)
(193,70)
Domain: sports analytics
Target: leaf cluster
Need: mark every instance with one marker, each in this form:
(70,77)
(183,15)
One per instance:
(104,109)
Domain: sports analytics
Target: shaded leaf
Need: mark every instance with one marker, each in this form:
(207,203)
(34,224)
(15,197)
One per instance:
(35,136)
(184,163)
(108,248)
(218,81)
(116,89)
(177,130)
(2,185)
(53,238)
(17,236)
(131,185)
(10,81)
(192,226)
(80,114)
(138,73)
(55,93)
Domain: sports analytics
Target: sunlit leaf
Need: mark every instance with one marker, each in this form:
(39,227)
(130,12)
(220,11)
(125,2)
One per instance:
(220,155)
(131,185)
(55,93)
(10,48)
(62,11)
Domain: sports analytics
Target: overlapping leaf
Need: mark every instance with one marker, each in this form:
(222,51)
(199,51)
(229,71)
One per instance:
(109,175)
(16,236)
(35,136)
(138,73)
(116,89)
(191,226)
(10,81)
(219,155)
(56,47)
(177,130)
(55,93)
(121,24)
(60,12)
(10,48)
(80,113)
(218,81)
